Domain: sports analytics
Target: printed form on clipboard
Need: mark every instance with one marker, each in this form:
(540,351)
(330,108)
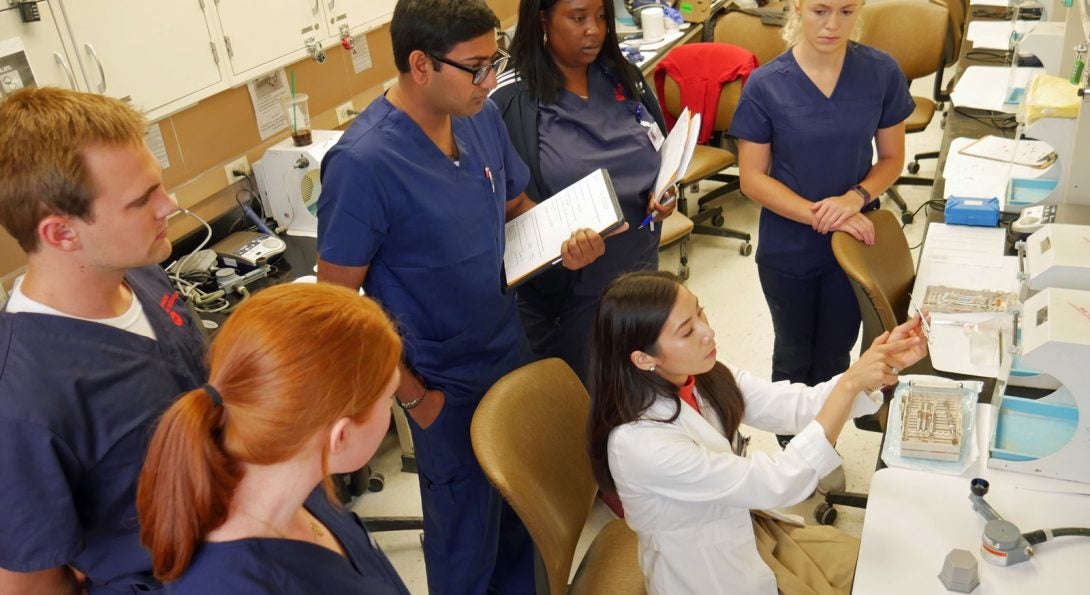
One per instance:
(533,239)
(676,152)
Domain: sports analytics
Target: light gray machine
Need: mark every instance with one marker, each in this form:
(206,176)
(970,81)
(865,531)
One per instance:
(288,181)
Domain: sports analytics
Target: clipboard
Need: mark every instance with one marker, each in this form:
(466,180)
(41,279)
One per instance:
(533,239)
(1020,152)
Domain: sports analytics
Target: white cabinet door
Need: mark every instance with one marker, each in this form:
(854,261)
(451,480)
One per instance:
(43,51)
(359,15)
(158,55)
(261,35)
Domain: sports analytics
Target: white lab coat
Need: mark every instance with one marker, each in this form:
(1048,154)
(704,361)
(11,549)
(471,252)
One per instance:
(688,496)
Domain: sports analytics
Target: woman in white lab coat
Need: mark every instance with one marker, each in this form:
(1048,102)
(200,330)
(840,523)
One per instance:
(685,492)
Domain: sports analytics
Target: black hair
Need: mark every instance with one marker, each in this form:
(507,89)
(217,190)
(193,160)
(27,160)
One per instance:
(435,26)
(630,317)
(536,66)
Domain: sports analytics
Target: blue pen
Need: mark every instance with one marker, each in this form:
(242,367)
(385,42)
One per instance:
(650,216)
(639,113)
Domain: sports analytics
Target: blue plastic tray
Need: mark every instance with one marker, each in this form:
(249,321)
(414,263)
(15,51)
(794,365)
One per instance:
(1028,191)
(1027,429)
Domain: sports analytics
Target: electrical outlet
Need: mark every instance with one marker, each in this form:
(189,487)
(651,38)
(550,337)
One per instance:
(240,165)
(345,112)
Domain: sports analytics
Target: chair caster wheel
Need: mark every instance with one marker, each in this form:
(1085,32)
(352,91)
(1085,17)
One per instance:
(914,167)
(342,483)
(683,271)
(375,482)
(746,249)
(718,221)
(357,481)
(906,218)
(825,514)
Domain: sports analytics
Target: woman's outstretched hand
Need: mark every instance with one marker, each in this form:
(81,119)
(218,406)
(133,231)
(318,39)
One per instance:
(914,328)
(890,353)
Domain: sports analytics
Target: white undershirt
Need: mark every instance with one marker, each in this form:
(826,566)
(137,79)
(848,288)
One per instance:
(134,320)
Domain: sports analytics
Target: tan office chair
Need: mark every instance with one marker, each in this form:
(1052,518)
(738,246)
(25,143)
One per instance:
(955,35)
(529,434)
(709,160)
(677,229)
(881,276)
(914,33)
(748,31)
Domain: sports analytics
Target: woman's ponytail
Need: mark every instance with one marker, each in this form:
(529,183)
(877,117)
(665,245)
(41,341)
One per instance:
(186,484)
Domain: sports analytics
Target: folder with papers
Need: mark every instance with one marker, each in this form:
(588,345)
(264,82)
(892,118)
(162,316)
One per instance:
(676,152)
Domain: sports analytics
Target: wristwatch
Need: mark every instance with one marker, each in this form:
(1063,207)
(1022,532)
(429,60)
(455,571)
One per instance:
(413,403)
(862,192)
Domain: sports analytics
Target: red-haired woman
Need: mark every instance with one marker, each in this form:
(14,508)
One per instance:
(234,496)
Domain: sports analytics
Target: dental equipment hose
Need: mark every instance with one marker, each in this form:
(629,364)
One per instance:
(1043,535)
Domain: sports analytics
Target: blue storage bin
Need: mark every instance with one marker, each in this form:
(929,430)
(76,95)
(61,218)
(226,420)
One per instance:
(1027,429)
(1029,191)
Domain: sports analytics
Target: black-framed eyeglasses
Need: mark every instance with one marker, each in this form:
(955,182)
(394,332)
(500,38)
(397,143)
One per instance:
(498,63)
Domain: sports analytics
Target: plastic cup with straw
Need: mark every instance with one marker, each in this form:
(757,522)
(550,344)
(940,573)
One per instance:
(299,115)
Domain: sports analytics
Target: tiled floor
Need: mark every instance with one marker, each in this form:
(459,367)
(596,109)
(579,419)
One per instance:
(728,287)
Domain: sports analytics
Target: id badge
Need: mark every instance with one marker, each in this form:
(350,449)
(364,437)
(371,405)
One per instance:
(655,135)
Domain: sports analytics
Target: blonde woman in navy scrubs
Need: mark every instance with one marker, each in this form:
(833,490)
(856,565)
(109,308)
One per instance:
(805,124)
(573,104)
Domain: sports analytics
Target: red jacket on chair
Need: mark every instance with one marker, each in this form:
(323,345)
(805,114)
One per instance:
(700,69)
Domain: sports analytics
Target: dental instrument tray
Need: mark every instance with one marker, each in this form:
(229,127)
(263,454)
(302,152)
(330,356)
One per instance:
(931,426)
(955,300)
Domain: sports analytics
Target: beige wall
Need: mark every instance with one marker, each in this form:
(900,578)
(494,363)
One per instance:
(202,139)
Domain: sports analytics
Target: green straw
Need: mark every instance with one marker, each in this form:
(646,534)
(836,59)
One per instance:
(294,124)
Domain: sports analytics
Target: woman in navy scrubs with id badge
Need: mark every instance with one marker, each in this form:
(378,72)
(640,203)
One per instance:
(805,124)
(574,104)
(235,495)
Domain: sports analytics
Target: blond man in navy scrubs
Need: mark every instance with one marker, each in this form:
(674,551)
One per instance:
(94,344)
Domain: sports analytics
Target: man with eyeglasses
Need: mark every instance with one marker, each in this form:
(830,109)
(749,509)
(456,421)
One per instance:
(413,205)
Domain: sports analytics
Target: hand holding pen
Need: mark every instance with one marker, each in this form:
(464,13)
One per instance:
(659,210)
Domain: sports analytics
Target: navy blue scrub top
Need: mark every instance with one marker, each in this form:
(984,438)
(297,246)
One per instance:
(432,232)
(606,130)
(78,404)
(821,146)
(261,565)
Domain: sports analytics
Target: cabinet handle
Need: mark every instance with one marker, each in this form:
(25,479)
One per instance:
(101,73)
(67,71)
